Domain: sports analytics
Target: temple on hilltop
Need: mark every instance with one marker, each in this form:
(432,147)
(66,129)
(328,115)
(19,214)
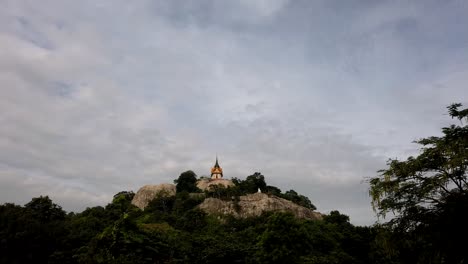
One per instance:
(216,171)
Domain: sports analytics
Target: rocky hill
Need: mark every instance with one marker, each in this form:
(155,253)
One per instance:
(245,206)
(148,192)
(254,205)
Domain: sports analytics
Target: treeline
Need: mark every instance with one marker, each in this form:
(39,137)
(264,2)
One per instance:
(173,230)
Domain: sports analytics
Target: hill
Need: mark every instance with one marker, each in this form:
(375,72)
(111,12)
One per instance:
(227,223)
(254,205)
(242,206)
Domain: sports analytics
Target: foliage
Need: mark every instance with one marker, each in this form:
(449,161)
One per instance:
(170,230)
(44,210)
(275,247)
(256,182)
(299,199)
(252,183)
(31,233)
(428,195)
(187,181)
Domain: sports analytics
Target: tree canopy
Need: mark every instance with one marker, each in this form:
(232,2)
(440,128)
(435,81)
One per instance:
(428,193)
(187,181)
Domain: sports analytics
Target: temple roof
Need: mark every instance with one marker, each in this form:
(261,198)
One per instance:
(216,169)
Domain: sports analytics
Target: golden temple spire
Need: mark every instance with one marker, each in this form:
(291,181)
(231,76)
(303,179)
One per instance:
(216,171)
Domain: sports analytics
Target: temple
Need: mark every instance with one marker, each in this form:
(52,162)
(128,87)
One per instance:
(216,171)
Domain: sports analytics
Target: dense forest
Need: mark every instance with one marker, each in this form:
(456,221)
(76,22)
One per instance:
(427,197)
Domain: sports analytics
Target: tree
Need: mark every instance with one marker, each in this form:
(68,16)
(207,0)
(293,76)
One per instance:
(187,181)
(33,233)
(121,203)
(43,209)
(421,191)
(335,217)
(298,199)
(273,190)
(251,184)
(123,242)
(283,240)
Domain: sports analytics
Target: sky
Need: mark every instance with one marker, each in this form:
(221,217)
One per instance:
(98,97)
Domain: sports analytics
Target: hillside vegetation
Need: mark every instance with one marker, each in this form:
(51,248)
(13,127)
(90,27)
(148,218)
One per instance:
(173,229)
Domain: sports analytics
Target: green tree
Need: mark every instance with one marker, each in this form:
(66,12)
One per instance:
(335,217)
(82,228)
(273,190)
(43,209)
(121,203)
(283,240)
(428,193)
(31,234)
(187,181)
(123,242)
(355,242)
(251,184)
(299,199)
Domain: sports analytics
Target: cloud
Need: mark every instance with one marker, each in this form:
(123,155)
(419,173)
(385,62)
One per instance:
(99,97)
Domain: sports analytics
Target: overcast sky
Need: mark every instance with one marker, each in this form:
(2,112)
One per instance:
(97,97)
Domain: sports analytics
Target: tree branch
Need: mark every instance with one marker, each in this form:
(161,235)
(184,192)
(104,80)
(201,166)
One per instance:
(454,180)
(437,183)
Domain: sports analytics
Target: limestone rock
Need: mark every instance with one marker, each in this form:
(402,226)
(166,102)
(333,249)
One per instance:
(250,205)
(206,184)
(255,204)
(148,192)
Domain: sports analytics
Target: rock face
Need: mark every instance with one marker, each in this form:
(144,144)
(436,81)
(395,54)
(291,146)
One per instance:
(254,205)
(250,205)
(206,184)
(148,192)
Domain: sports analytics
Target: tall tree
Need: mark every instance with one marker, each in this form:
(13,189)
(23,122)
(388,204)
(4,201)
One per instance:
(251,184)
(423,190)
(31,234)
(187,181)
(283,240)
